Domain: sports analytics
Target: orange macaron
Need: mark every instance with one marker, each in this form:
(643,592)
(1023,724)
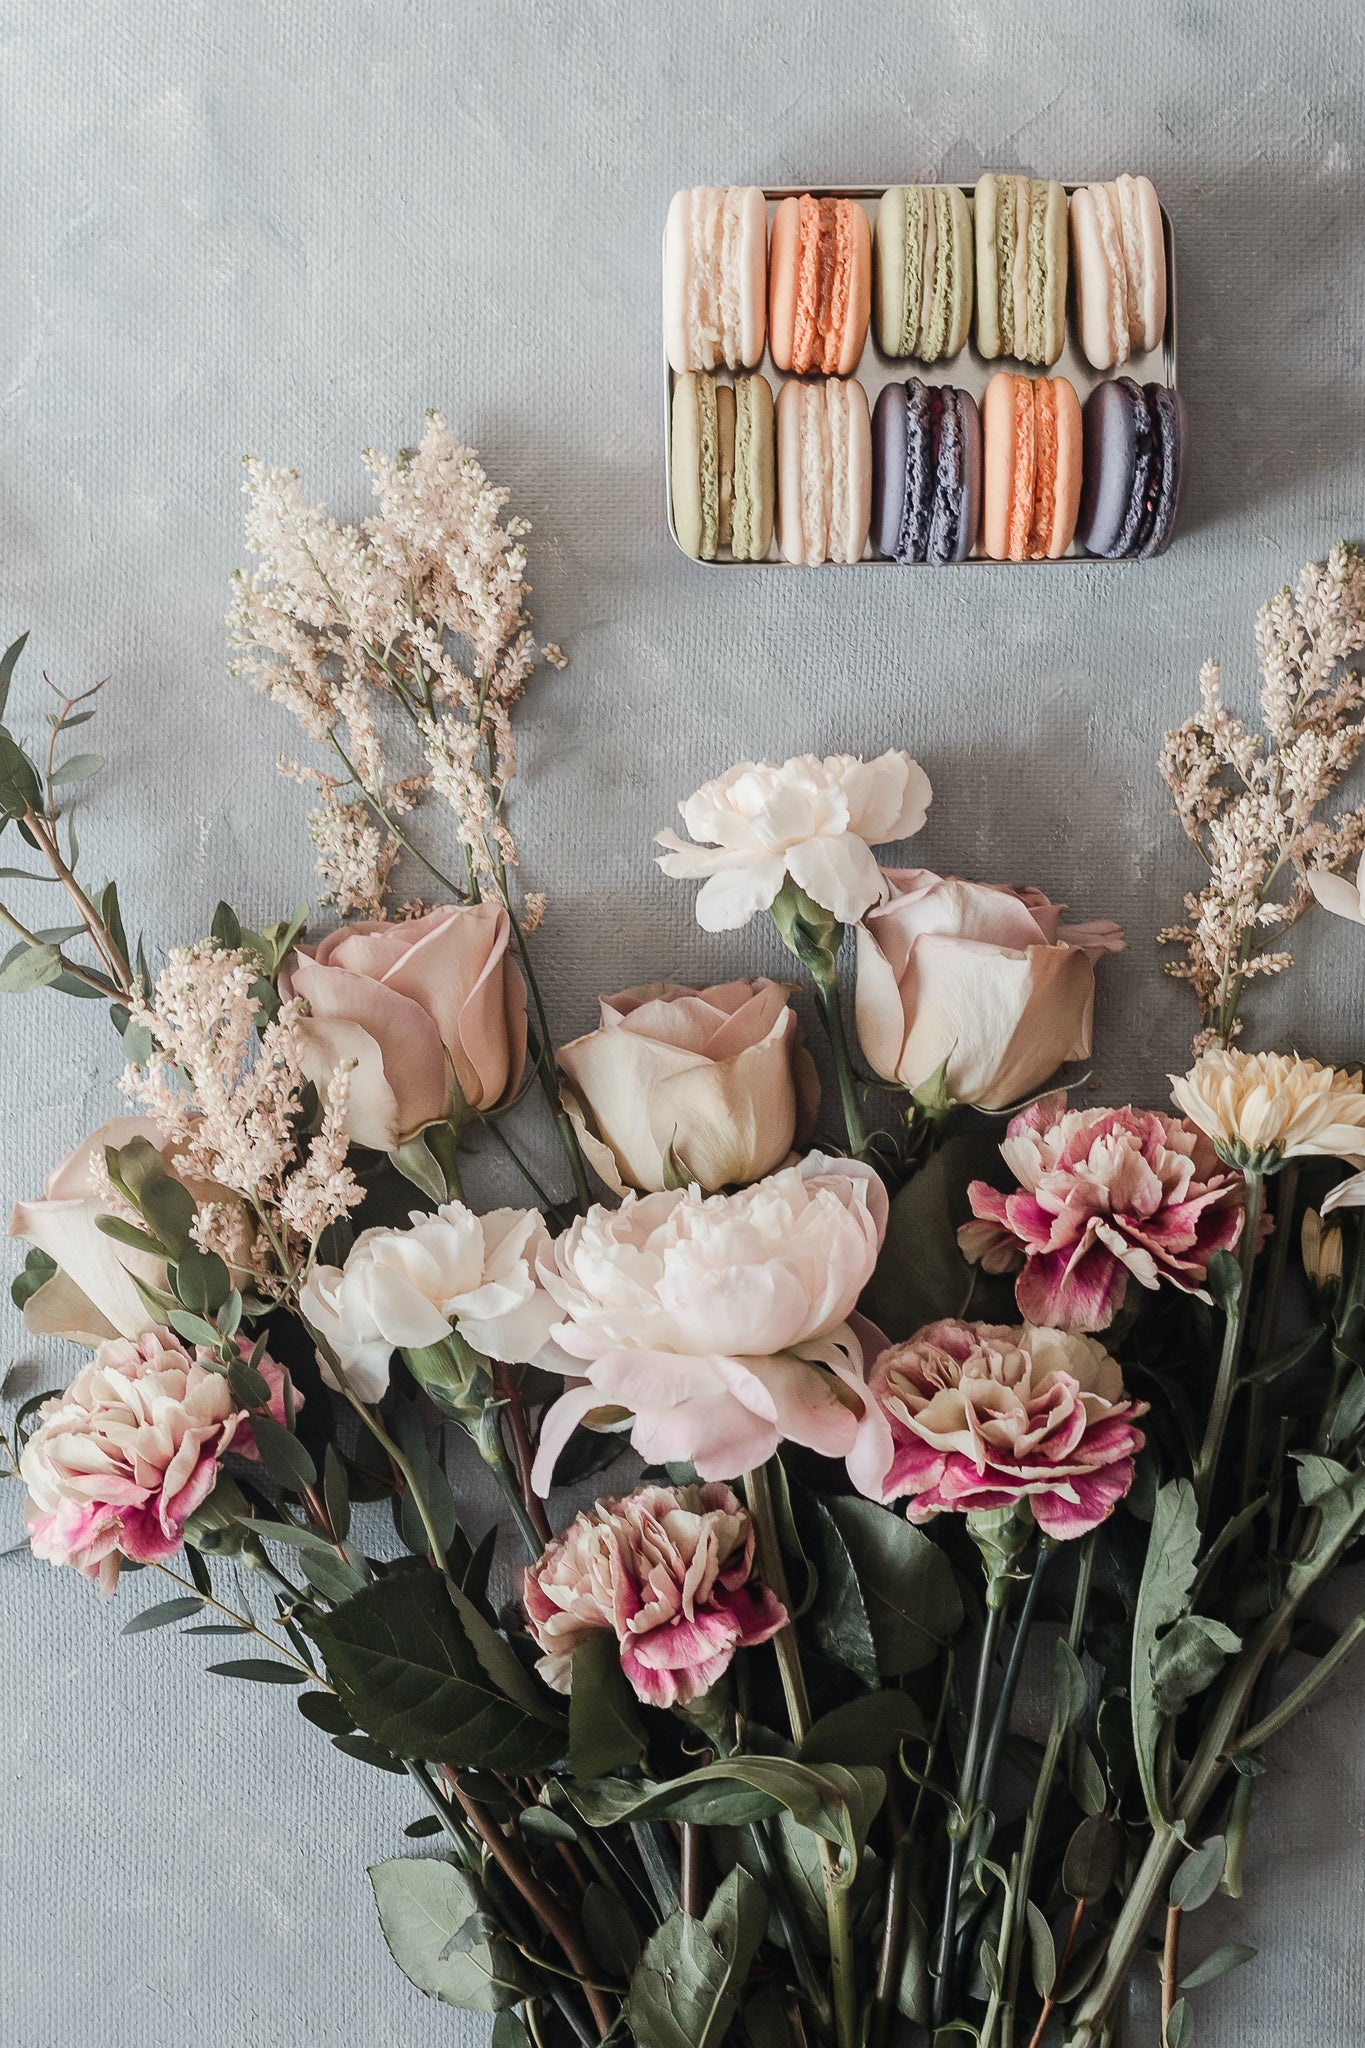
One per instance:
(819,285)
(1032,482)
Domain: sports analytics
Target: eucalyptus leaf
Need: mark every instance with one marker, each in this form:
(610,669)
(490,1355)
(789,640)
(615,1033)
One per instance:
(1087,1780)
(1042,1950)
(163,1614)
(1188,1659)
(7,662)
(261,1670)
(1068,1677)
(611,1933)
(1196,1881)
(77,768)
(20,789)
(422,1904)
(29,967)
(169,1209)
(830,1801)
(1092,1859)
(1180,2026)
(1230,1956)
(1167,1578)
(129,1234)
(201,1279)
(283,1456)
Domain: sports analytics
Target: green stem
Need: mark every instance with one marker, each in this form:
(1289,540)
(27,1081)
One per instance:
(1285,1194)
(386,817)
(1234,1335)
(1303,1693)
(961,1821)
(832,1016)
(487,1436)
(247,1627)
(543,1054)
(838,1914)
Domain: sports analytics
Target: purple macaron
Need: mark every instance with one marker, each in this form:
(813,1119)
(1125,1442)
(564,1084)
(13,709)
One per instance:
(1133,459)
(926,473)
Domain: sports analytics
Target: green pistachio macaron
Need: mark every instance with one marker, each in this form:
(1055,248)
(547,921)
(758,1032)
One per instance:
(723,466)
(922,273)
(1021,267)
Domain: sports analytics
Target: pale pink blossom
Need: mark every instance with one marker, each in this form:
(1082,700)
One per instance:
(431,1011)
(716,1327)
(815,820)
(986,981)
(711,1084)
(980,1416)
(669,1571)
(1105,1196)
(121,1460)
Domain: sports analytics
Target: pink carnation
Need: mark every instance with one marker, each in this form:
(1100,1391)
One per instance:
(1104,1195)
(981,1415)
(667,1570)
(121,1460)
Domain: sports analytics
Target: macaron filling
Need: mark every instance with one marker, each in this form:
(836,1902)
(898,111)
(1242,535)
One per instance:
(939,280)
(916,501)
(1034,348)
(744,496)
(912,293)
(1044,469)
(708,465)
(950,479)
(1004,261)
(824,281)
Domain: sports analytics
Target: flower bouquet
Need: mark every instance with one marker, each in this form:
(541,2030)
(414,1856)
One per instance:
(981,1385)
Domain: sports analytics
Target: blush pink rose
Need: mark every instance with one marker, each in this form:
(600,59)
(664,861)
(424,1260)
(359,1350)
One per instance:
(977,1416)
(1104,1196)
(432,1012)
(716,1327)
(121,1460)
(987,979)
(712,1078)
(669,1570)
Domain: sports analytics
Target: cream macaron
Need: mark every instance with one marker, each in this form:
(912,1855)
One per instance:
(1118,256)
(722,466)
(824,471)
(716,277)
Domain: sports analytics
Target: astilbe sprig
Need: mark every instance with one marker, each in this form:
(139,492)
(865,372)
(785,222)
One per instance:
(1250,802)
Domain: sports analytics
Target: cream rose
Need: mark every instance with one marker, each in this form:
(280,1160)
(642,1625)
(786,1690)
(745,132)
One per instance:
(403,1290)
(91,1297)
(714,1077)
(431,1012)
(716,1327)
(987,979)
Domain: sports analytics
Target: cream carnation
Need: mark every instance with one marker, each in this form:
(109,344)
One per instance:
(980,1416)
(717,1326)
(407,1289)
(815,820)
(669,1571)
(1261,1108)
(121,1460)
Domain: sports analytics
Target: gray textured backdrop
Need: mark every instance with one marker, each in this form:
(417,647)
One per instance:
(287,228)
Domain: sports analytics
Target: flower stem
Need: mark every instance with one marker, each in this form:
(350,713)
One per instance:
(960,1823)
(832,1016)
(1234,1335)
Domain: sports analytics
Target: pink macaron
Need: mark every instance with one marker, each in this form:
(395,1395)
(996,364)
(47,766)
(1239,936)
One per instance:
(824,471)
(1118,261)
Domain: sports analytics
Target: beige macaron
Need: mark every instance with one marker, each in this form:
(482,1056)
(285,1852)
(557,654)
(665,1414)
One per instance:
(824,471)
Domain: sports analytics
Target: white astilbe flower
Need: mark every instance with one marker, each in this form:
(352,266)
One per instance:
(230,1104)
(424,603)
(1249,801)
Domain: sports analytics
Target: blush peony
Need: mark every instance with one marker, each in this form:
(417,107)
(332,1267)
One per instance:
(812,819)
(982,1416)
(121,1460)
(432,1012)
(715,1327)
(983,979)
(713,1077)
(669,1571)
(1105,1196)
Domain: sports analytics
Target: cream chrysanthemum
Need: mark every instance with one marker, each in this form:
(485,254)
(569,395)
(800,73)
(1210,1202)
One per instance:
(1261,1108)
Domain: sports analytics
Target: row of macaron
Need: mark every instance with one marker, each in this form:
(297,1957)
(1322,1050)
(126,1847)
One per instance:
(931,259)
(927,474)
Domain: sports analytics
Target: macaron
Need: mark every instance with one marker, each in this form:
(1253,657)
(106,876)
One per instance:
(1118,256)
(819,285)
(922,271)
(1134,438)
(824,471)
(926,473)
(1020,268)
(722,468)
(1032,477)
(716,277)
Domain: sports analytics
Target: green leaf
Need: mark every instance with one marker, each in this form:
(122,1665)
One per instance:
(1087,1780)
(510,2030)
(1180,2026)
(868,1730)
(1092,1859)
(913,1604)
(330,1575)
(283,1456)
(336,1492)
(422,1905)
(263,1670)
(77,768)
(192,1328)
(39,1268)
(7,661)
(325,1711)
(1230,1956)
(20,789)
(404,1655)
(1224,1281)
(685,1992)
(366,1751)
(829,1801)
(1317,1477)
(163,1614)
(1196,1881)
(838,1616)
(921,1275)
(539,1824)
(1042,1950)
(226,929)
(604,1728)
(1188,1659)
(765,2019)
(425,1824)
(416,1164)
(129,1234)
(1167,1578)
(1068,1677)
(29,967)
(170,1210)
(612,1935)
(201,1279)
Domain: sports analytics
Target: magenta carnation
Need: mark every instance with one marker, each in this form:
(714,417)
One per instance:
(974,1416)
(669,1571)
(1104,1195)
